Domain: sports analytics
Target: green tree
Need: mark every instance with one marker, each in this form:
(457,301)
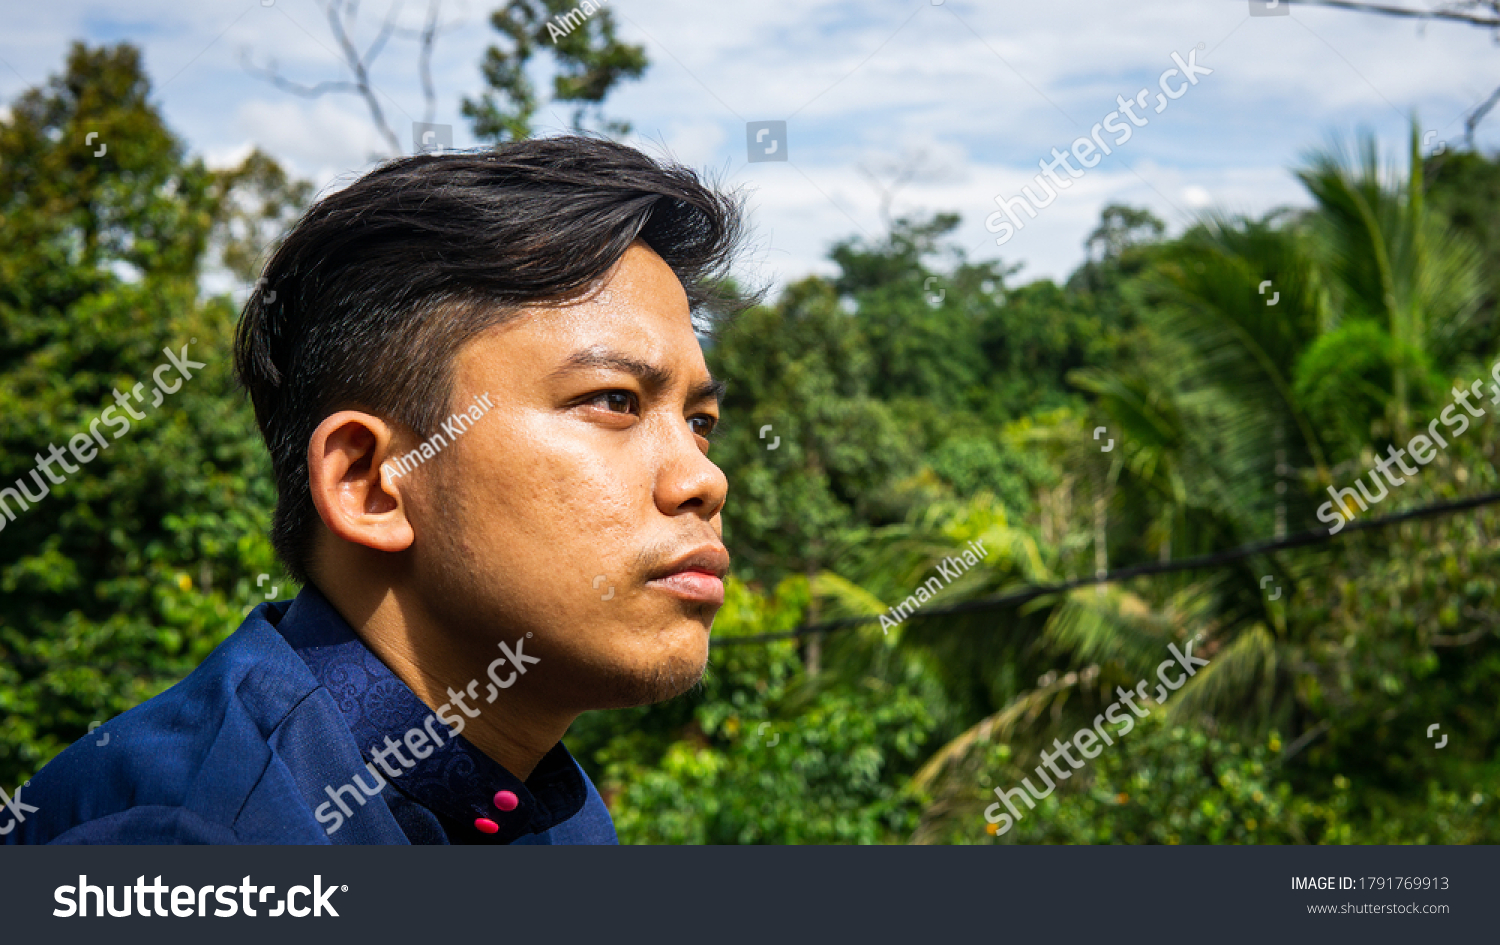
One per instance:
(802,369)
(588,62)
(1233,392)
(123,577)
(257,202)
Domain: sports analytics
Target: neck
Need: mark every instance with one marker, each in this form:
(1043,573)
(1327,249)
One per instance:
(451,674)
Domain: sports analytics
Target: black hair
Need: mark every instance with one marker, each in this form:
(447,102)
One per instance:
(371,295)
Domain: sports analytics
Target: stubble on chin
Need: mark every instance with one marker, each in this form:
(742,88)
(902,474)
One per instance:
(657,683)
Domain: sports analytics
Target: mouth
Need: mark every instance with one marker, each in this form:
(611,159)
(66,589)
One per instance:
(697,576)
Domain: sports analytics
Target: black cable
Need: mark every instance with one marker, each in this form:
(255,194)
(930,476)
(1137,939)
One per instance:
(1024,594)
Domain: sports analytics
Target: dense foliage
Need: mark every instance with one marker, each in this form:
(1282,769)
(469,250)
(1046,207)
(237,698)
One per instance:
(921,401)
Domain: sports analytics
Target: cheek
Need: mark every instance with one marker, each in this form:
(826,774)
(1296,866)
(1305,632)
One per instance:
(550,502)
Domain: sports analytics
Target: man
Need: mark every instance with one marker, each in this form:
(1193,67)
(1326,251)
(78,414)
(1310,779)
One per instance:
(488,415)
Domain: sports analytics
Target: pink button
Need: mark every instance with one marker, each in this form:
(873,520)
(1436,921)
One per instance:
(485,825)
(506,800)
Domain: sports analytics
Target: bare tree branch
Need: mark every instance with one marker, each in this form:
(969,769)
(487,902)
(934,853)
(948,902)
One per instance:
(360,70)
(1454,12)
(1473,636)
(1405,12)
(385,34)
(287,85)
(424,62)
(427,37)
(901,171)
(343,15)
(1477,115)
(1307,737)
(1488,618)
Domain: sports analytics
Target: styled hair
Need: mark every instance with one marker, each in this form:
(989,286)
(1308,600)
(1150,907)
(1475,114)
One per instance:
(371,295)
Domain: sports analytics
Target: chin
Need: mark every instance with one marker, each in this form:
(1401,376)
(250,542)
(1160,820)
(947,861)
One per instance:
(673,672)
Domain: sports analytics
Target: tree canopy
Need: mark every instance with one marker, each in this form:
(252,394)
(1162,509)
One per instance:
(878,420)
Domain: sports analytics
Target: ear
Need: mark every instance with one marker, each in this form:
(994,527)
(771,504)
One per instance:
(356,494)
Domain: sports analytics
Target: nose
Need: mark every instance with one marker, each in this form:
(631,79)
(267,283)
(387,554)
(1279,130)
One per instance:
(688,481)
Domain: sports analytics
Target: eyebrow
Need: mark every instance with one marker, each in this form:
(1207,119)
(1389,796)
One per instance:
(650,375)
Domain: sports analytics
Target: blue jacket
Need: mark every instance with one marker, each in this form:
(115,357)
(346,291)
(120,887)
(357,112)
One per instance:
(253,747)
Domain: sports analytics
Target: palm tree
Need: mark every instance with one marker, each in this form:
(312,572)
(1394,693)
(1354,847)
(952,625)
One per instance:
(1282,351)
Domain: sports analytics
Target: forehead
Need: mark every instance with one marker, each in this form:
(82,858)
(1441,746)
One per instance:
(640,312)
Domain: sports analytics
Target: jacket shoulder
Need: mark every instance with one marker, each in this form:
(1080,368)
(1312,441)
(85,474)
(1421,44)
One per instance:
(180,767)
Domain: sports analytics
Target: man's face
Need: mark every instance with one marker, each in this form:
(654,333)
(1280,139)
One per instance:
(582,508)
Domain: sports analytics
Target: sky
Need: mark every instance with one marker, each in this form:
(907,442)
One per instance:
(968,95)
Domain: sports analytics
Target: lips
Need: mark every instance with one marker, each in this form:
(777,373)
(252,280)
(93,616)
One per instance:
(696,576)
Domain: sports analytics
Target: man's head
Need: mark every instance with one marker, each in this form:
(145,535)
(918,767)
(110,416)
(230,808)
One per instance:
(544,290)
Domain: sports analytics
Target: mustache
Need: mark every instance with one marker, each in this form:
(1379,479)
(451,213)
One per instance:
(662,557)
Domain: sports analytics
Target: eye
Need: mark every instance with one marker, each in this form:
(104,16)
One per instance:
(708,422)
(616,401)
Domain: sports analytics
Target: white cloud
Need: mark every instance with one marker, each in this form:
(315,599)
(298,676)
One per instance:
(228,156)
(694,143)
(1197,197)
(986,89)
(320,139)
